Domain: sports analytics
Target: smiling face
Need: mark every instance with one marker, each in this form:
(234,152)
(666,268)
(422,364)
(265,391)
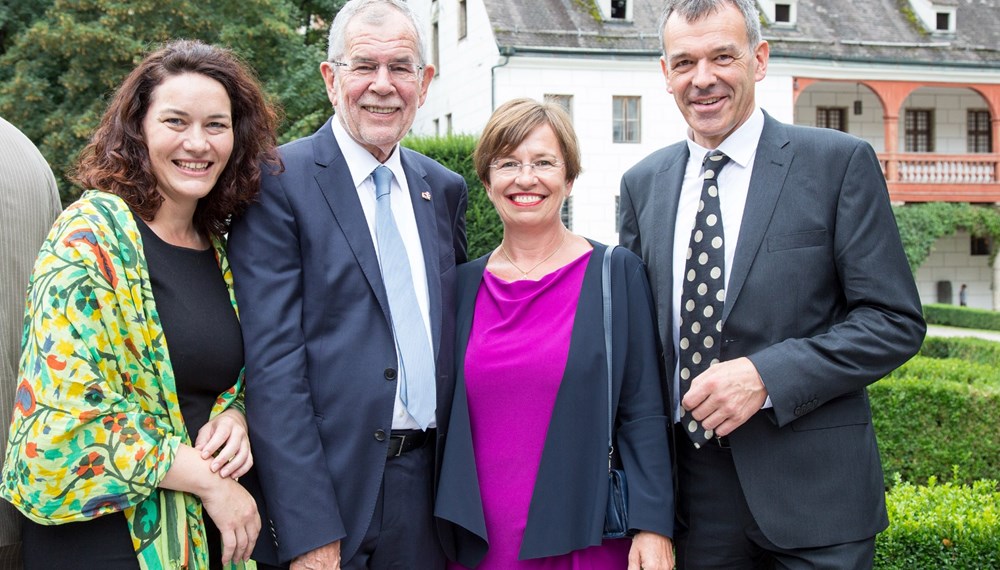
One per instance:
(529,198)
(378,110)
(711,71)
(188,130)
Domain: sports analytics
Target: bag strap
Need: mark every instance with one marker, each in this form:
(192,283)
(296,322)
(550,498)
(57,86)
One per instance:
(606,290)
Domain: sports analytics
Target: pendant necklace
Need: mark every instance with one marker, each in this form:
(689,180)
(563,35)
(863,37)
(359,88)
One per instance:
(524,274)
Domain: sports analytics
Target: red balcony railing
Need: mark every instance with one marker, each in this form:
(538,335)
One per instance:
(926,177)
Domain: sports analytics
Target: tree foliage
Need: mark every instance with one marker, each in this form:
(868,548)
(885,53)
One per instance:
(921,225)
(57,74)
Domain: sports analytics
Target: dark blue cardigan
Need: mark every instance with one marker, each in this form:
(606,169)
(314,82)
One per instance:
(568,502)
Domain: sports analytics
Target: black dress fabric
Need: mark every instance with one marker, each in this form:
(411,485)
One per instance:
(205,346)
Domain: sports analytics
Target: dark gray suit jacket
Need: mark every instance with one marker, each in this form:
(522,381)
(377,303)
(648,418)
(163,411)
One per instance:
(29,203)
(568,502)
(320,358)
(821,300)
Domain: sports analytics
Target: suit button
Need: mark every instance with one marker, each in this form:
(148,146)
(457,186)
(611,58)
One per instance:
(390,374)
(379,435)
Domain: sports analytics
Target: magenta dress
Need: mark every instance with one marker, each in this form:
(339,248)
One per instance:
(514,364)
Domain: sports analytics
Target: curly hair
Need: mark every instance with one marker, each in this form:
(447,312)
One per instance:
(117,160)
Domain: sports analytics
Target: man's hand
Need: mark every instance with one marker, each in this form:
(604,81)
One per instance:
(323,558)
(724,397)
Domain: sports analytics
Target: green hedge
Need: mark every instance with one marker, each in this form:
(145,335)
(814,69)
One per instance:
(933,414)
(976,350)
(958,316)
(941,526)
(482,223)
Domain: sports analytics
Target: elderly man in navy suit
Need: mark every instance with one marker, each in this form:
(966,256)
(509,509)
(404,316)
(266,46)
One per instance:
(345,274)
(782,292)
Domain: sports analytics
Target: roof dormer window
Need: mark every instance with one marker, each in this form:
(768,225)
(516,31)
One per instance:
(616,10)
(943,22)
(937,17)
(782,13)
(779,13)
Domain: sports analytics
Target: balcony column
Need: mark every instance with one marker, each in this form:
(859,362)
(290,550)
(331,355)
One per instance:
(995,144)
(995,285)
(891,147)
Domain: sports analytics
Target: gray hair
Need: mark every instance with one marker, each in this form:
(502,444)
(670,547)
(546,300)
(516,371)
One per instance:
(373,12)
(694,10)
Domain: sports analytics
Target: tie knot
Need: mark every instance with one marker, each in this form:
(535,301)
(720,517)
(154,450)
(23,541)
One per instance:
(713,163)
(382,177)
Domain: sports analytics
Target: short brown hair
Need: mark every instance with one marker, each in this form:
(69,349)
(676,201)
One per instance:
(117,160)
(511,123)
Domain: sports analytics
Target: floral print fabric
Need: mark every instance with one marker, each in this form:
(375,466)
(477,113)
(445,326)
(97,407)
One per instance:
(96,420)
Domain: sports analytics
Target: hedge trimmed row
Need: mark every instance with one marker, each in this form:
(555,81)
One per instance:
(936,526)
(933,414)
(957,316)
(975,350)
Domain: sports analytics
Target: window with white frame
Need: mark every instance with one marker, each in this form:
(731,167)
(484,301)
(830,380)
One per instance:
(463,19)
(625,119)
(564,101)
(566,212)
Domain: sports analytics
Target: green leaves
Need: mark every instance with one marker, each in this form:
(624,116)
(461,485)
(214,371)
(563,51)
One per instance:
(62,59)
(949,525)
(920,225)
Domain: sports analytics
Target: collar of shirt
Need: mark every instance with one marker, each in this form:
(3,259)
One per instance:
(360,162)
(740,146)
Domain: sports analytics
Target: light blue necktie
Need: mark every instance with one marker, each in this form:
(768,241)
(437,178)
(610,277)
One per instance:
(416,363)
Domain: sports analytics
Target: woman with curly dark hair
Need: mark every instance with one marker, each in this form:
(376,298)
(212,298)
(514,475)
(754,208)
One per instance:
(129,424)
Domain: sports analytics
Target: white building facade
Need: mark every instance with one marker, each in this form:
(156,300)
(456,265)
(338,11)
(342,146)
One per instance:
(601,61)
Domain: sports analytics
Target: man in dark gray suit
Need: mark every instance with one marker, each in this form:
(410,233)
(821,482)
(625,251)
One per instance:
(345,402)
(777,460)
(29,203)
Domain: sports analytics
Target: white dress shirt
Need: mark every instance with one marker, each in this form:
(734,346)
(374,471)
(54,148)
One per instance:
(734,184)
(361,164)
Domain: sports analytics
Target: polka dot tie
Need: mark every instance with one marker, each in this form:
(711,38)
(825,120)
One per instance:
(704,292)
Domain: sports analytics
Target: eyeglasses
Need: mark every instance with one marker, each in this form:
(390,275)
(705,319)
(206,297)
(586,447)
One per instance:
(367,69)
(511,168)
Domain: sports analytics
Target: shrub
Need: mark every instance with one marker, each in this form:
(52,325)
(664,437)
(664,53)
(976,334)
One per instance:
(947,525)
(976,350)
(932,414)
(957,316)
(482,223)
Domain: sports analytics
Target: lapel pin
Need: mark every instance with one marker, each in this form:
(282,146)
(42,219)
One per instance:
(426,196)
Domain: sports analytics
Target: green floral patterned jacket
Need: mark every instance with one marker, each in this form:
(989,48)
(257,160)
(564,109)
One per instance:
(96,418)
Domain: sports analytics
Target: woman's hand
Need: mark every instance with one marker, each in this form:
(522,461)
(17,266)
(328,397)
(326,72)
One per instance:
(226,437)
(234,511)
(228,504)
(651,551)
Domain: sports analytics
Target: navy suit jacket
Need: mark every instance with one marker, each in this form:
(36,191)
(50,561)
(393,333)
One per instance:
(568,502)
(320,359)
(822,301)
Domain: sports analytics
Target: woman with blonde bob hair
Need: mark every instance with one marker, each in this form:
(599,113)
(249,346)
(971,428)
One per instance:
(524,479)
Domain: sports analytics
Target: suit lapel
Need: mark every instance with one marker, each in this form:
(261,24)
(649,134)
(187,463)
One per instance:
(335,182)
(421,197)
(774,156)
(666,197)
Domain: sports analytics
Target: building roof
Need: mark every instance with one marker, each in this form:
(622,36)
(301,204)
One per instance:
(853,30)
